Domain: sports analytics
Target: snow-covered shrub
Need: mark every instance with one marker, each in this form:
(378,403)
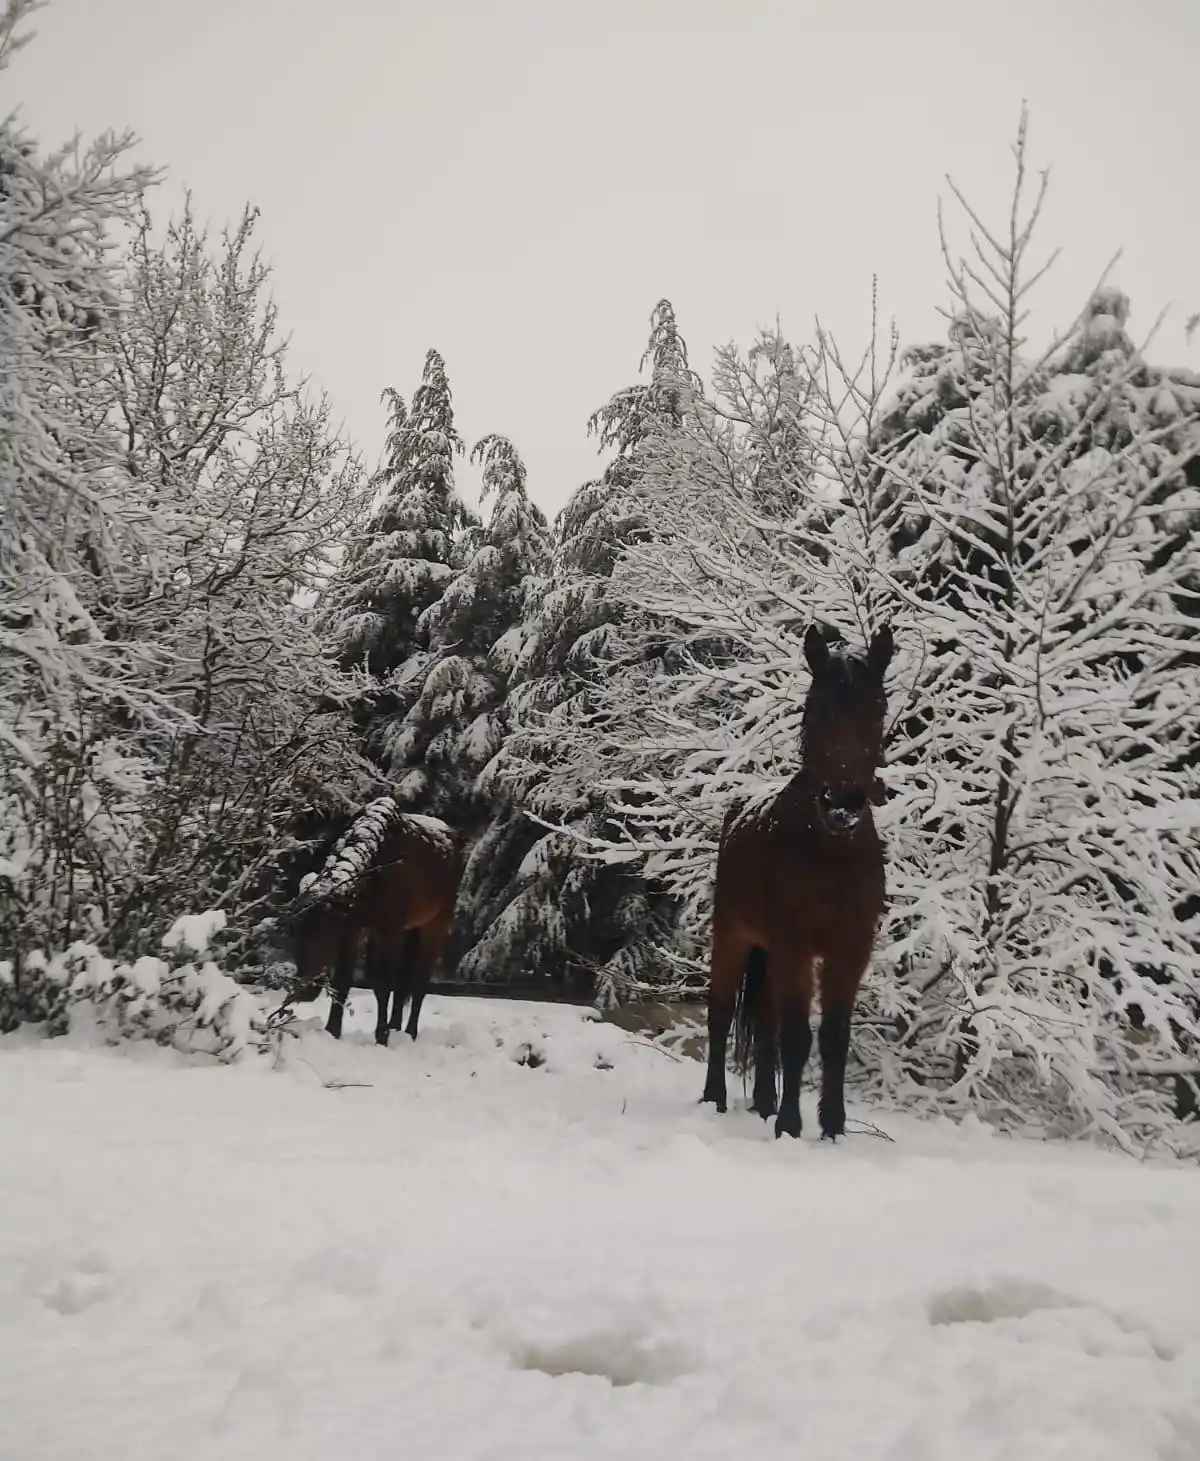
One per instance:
(179,998)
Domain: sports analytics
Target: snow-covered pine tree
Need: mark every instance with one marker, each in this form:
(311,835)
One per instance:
(551,911)
(450,720)
(1045,839)
(403,559)
(71,540)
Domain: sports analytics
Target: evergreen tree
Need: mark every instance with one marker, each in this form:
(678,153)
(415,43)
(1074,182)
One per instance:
(450,719)
(404,559)
(736,559)
(1050,533)
(551,910)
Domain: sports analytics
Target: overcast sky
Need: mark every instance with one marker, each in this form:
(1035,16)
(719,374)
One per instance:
(516,182)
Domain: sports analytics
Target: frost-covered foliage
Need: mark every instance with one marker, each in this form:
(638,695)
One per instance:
(167,497)
(352,853)
(1030,526)
(544,907)
(403,559)
(72,540)
(450,716)
(1048,808)
(178,998)
(256,493)
(706,706)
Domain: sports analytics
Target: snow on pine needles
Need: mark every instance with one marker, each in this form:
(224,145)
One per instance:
(521,1236)
(352,853)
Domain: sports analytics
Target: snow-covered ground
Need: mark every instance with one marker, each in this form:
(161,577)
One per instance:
(465,1256)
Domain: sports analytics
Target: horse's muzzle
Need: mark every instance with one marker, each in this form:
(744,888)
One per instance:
(843,810)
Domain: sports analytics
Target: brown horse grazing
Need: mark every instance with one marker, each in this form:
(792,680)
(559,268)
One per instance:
(800,881)
(394,877)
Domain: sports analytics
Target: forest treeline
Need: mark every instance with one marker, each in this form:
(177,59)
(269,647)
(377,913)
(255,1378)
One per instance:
(221,635)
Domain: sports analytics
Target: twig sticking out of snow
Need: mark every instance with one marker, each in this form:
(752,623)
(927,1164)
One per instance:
(868,1128)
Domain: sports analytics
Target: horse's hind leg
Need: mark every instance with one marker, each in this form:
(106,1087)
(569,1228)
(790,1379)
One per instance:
(384,978)
(793,982)
(766,1099)
(408,978)
(401,978)
(425,950)
(840,978)
(729,955)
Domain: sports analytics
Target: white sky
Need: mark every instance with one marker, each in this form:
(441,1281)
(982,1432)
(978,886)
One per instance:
(516,182)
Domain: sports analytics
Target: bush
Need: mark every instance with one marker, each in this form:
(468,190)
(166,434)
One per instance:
(180,999)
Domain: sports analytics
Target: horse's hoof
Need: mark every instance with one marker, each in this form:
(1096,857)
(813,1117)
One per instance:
(717,1101)
(787,1125)
(833,1124)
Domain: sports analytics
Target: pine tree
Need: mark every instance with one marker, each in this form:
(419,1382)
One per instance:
(552,911)
(450,719)
(1050,526)
(1030,525)
(737,558)
(403,560)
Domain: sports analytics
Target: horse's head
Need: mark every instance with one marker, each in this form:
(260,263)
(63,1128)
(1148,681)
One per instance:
(315,934)
(843,724)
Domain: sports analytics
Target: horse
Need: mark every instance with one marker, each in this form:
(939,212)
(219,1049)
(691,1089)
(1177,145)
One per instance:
(800,882)
(393,876)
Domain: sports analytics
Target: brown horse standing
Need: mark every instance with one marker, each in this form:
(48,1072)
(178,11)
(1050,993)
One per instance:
(394,877)
(800,881)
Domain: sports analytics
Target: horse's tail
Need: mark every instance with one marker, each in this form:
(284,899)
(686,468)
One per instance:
(745,1010)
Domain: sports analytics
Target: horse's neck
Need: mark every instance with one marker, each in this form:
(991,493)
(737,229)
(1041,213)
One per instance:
(797,810)
(797,797)
(804,786)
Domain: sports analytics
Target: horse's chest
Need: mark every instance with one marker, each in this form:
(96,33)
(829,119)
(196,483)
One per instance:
(829,883)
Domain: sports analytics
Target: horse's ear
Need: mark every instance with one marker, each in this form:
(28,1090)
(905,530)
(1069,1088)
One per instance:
(816,651)
(881,649)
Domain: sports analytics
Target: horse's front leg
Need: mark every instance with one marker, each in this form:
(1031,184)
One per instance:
(728,962)
(383,999)
(793,985)
(766,1042)
(840,979)
(343,977)
(382,963)
(422,956)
